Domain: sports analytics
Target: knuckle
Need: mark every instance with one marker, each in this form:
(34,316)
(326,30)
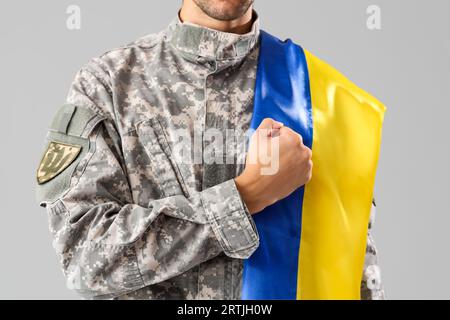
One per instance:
(284,131)
(299,139)
(293,139)
(308,153)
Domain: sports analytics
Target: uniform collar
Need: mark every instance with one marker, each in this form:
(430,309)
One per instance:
(196,42)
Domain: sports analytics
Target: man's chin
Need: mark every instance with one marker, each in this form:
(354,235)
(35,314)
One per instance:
(224,11)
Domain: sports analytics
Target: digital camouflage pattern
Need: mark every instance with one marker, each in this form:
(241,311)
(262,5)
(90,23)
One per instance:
(135,223)
(371,287)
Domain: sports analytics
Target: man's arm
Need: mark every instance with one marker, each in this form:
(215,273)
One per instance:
(371,286)
(107,244)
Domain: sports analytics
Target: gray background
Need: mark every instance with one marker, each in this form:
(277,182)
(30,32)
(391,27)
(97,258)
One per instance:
(406,65)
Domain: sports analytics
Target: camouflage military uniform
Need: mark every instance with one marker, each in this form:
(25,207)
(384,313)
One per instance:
(128,220)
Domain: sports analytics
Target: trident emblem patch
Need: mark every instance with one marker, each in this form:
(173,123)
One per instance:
(56,159)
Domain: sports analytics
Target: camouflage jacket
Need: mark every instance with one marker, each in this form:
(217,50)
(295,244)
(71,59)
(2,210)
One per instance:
(128,220)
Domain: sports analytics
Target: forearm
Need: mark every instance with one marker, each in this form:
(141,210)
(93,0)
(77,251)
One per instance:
(109,249)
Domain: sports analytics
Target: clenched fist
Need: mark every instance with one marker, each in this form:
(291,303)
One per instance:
(277,164)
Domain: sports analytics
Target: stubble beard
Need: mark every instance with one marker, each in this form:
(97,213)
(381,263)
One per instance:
(211,9)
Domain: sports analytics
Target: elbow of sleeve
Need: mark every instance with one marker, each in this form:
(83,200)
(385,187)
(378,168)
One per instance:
(230,220)
(102,272)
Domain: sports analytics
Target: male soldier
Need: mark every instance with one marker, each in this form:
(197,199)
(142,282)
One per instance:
(129,221)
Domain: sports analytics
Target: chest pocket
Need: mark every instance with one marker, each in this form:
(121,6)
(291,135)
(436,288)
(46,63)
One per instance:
(155,141)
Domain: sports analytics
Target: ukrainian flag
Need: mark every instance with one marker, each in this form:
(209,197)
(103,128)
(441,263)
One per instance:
(312,244)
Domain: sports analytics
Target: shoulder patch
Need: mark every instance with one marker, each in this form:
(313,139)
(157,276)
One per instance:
(67,143)
(56,159)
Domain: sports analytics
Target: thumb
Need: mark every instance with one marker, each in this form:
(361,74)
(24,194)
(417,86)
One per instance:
(269,123)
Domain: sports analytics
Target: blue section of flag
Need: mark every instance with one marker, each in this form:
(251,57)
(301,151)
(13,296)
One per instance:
(282,93)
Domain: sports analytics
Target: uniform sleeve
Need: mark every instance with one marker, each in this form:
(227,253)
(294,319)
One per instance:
(371,286)
(108,245)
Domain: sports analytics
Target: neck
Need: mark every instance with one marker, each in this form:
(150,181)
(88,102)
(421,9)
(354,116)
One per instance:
(191,13)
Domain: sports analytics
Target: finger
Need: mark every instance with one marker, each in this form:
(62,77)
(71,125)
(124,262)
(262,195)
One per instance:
(277,125)
(267,123)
